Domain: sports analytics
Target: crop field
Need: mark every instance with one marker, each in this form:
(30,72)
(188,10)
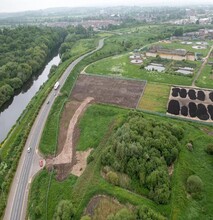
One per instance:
(120,66)
(191,103)
(116,91)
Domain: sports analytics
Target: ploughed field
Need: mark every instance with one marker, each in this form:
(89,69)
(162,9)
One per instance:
(191,103)
(107,90)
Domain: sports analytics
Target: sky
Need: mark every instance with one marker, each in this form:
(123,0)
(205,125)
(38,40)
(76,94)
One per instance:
(23,5)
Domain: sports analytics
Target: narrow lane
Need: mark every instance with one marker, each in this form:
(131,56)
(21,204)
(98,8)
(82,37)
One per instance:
(16,204)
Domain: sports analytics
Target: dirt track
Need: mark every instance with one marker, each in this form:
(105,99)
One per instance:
(65,157)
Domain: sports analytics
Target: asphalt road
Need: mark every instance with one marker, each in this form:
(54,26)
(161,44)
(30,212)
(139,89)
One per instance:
(17,200)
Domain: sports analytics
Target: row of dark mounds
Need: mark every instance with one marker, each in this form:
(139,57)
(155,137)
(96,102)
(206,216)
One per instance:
(193,110)
(192,94)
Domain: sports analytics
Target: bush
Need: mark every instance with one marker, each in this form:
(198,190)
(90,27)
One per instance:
(86,217)
(123,214)
(209,149)
(64,211)
(146,213)
(194,184)
(112,177)
(90,158)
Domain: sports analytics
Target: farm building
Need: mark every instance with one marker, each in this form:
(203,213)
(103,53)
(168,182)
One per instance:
(178,54)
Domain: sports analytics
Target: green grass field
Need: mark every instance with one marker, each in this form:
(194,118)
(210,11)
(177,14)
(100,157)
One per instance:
(178,45)
(92,129)
(205,79)
(120,66)
(91,183)
(155,97)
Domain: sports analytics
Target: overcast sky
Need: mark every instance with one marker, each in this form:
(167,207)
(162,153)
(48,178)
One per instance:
(23,5)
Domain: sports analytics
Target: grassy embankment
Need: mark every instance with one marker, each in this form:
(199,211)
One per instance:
(13,145)
(91,182)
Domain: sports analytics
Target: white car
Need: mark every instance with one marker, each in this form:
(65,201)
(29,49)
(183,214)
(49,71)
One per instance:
(28,149)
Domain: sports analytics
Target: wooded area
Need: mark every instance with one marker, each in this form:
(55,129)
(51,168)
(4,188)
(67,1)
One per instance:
(143,149)
(23,52)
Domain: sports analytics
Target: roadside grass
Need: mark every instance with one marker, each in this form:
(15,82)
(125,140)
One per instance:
(92,183)
(38,205)
(121,66)
(155,97)
(205,79)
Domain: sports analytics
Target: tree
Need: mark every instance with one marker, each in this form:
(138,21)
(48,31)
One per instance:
(64,211)
(178,32)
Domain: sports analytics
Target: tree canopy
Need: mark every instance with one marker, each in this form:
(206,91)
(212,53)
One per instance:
(23,52)
(143,149)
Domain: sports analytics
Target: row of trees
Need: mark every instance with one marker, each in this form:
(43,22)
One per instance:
(23,52)
(143,149)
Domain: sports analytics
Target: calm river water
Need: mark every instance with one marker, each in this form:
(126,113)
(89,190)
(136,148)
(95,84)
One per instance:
(11,111)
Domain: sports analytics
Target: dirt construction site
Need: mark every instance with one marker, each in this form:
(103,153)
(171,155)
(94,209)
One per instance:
(88,89)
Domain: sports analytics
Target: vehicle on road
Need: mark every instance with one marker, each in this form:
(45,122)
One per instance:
(57,84)
(48,102)
(41,163)
(28,149)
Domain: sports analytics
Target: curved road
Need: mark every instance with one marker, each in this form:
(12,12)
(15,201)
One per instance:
(28,164)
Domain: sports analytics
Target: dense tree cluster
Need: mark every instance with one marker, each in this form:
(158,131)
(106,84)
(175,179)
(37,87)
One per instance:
(139,213)
(143,149)
(24,51)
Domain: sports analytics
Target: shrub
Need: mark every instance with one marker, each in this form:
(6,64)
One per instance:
(90,158)
(194,184)
(123,214)
(86,217)
(146,213)
(209,149)
(112,177)
(64,211)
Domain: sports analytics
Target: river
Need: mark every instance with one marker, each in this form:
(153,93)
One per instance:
(11,111)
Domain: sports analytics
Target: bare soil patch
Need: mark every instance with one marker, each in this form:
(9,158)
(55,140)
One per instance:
(81,162)
(116,91)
